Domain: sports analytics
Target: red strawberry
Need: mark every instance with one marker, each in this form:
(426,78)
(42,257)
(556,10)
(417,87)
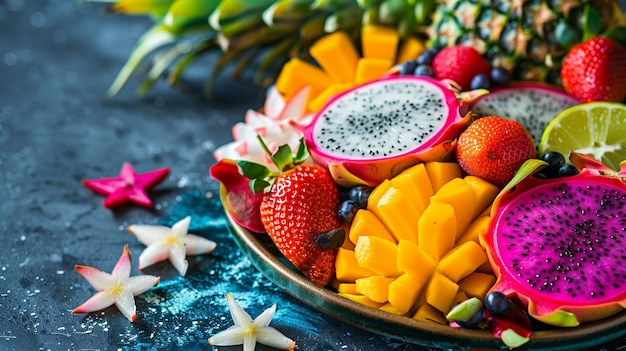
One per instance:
(493,148)
(596,71)
(300,206)
(461,64)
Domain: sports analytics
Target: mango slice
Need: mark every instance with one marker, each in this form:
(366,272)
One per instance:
(460,196)
(377,255)
(347,268)
(379,42)
(347,288)
(322,98)
(410,49)
(484,193)
(337,56)
(441,292)
(413,260)
(415,183)
(402,224)
(427,313)
(469,253)
(475,229)
(442,172)
(361,299)
(366,223)
(376,288)
(404,291)
(369,69)
(437,229)
(297,74)
(477,284)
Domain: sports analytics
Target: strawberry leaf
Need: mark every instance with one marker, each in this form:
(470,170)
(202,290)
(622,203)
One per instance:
(257,185)
(592,23)
(283,158)
(618,34)
(302,154)
(253,170)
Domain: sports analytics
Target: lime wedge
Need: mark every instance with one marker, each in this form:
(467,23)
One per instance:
(597,129)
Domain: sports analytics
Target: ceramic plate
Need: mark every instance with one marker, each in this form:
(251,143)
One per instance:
(265,256)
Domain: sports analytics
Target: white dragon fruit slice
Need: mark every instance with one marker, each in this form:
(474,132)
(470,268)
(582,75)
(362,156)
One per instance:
(274,125)
(533,104)
(374,131)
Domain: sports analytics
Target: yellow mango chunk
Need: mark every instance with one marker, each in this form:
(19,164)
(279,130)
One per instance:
(379,42)
(377,255)
(459,194)
(370,68)
(413,260)
(477,284)
(336,54)
(427,313)
(437,229)
(442,172)
(297,74)
(347,268)
(322,98)
(462,260)
(410,49)
(460,297)
(475,230)
(366,223)
(404,291)
(347,288)
(361,299)
(398,214)
(376,288)
(441,292)
(377,193)
(484,192)
(415,184)
(389,308)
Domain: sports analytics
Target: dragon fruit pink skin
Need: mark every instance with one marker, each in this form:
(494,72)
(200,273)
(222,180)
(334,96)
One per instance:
(370,167)
(557,245)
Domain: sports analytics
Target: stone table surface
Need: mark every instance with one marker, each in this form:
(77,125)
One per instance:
(56,60)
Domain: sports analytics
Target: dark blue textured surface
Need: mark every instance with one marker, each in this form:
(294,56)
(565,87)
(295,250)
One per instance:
(56,60)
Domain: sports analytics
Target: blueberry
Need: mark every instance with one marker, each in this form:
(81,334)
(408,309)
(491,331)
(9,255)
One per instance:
(474,321)
(497,303)
(360,194)
(427,57)
(500,76)
(567,171)
(424,70)
(480,81)
(555,161)
(347,210)
(408,67)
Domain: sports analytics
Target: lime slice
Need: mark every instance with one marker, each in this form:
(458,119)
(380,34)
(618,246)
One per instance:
(597,129)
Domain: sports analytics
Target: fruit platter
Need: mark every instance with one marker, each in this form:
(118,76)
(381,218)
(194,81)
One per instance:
(447,174)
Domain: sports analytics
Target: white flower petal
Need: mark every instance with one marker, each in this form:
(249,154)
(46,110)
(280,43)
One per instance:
(179,259)
(121,271)
(240,317)
(249,342)
(181,227)
(97,279)
(269,336)
(264,319)
(152,254)
(197,245)
(149,234)
(125,302)
(138,284)
(229,337)
(97,302)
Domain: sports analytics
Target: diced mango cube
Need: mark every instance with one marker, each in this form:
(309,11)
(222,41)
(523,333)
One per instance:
(437,229)
(460,297)
(347,288)
(366,223)
(413,260)
(377,193)
(427,313)
(441,292)
(369,69)
(475,230)
(376,287)
(484,192)
(404,291)
(379,42)
(297,74)
(389,308)
(477,284)
(410,49)
(361,299)
(398,214)
(415,184)
(459,194)
(347,268)
(322,98)
(462,260)
(442,172)
(336,54)
(377,255)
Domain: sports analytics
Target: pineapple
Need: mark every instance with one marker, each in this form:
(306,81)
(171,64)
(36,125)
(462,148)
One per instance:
(528,37)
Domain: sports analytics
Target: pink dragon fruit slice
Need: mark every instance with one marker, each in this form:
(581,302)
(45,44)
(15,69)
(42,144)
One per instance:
(557,245)
(533,104)
(374,131)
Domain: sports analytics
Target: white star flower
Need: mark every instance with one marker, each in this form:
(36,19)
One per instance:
(116,288)
(174,243)
(248,332)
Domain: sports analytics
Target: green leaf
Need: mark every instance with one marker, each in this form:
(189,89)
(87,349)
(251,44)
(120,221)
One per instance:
(185,12)
(283,157)
(618,34)
(302,154)
(258,185)
(566,35)
(591,22)
(253,170)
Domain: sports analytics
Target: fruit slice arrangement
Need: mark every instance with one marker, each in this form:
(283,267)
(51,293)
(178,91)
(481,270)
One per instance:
(416,250)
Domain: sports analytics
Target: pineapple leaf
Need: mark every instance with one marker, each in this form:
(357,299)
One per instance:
(185,12)
(153,8)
